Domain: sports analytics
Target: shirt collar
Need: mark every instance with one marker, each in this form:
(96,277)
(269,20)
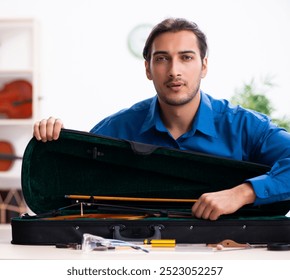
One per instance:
(153,118)
(204,120)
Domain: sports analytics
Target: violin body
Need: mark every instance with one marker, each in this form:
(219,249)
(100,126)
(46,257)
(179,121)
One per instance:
(16,100)
(6,150)
(7,155)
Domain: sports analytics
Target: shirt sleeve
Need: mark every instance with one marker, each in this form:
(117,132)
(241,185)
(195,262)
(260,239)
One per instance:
(273,149)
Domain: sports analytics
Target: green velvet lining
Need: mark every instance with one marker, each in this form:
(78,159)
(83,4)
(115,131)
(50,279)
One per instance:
(85,164)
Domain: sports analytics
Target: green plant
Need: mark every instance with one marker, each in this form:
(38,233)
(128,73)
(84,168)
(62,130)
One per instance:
(253,97)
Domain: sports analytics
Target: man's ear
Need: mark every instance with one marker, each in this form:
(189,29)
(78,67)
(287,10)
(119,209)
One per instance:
(148,72)
(204,68)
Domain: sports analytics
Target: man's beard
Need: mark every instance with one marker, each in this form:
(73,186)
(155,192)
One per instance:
(179,102)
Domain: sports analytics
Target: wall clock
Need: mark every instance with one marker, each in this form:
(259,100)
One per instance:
(137,38)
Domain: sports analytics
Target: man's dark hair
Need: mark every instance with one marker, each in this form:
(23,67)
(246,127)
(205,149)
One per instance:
(175,25)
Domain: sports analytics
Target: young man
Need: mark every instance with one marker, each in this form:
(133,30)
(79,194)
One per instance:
(182,116)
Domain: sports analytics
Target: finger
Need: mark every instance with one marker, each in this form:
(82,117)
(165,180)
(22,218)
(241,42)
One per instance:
(207,212)
(42,130)
(36,132)
(194,207)
(58,125)
(214,215)
(212,210)
(49,128)
(197,209)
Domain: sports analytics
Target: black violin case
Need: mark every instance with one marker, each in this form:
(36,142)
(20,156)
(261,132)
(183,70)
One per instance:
(93,167)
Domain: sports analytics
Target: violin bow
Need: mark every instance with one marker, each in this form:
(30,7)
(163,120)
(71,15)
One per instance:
(125,198)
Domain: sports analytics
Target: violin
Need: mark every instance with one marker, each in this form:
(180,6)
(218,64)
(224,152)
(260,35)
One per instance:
(7,156)
(97,216)
(107,212)
(16,100)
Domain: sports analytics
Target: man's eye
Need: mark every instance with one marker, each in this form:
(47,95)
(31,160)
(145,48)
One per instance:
(187,57)
(161,58)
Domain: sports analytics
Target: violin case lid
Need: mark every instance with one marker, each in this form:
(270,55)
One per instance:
(80,163)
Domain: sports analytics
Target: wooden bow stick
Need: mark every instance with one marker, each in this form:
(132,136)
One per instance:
(125,198)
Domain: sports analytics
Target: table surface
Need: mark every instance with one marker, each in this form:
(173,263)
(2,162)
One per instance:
(10,251)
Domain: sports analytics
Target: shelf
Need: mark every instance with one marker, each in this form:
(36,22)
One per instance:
(15,122)
(18,73)
(16,45)
(18,61)
(9,181)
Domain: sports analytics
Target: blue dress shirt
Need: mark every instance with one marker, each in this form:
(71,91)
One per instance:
(219,128)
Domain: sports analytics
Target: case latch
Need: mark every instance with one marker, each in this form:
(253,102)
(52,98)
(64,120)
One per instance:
(95,153)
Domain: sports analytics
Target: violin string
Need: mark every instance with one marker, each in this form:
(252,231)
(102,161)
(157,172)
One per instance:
(109,207)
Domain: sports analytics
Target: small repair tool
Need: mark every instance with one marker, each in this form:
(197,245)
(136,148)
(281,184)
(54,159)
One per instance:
(94,243)
(75,246)
(160,242)
(229,244)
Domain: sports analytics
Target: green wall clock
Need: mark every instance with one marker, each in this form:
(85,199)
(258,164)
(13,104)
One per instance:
(137,38)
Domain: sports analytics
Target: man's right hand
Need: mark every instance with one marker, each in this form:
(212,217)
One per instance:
(47,129)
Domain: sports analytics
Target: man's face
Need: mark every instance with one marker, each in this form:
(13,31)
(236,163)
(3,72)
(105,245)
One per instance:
(176,68)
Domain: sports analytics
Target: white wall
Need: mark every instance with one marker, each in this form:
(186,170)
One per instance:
(87,71)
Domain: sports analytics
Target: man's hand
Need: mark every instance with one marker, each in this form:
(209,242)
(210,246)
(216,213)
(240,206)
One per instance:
(212,205)
(47,129)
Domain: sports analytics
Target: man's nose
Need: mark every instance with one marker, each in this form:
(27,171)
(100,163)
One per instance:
(174,69)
